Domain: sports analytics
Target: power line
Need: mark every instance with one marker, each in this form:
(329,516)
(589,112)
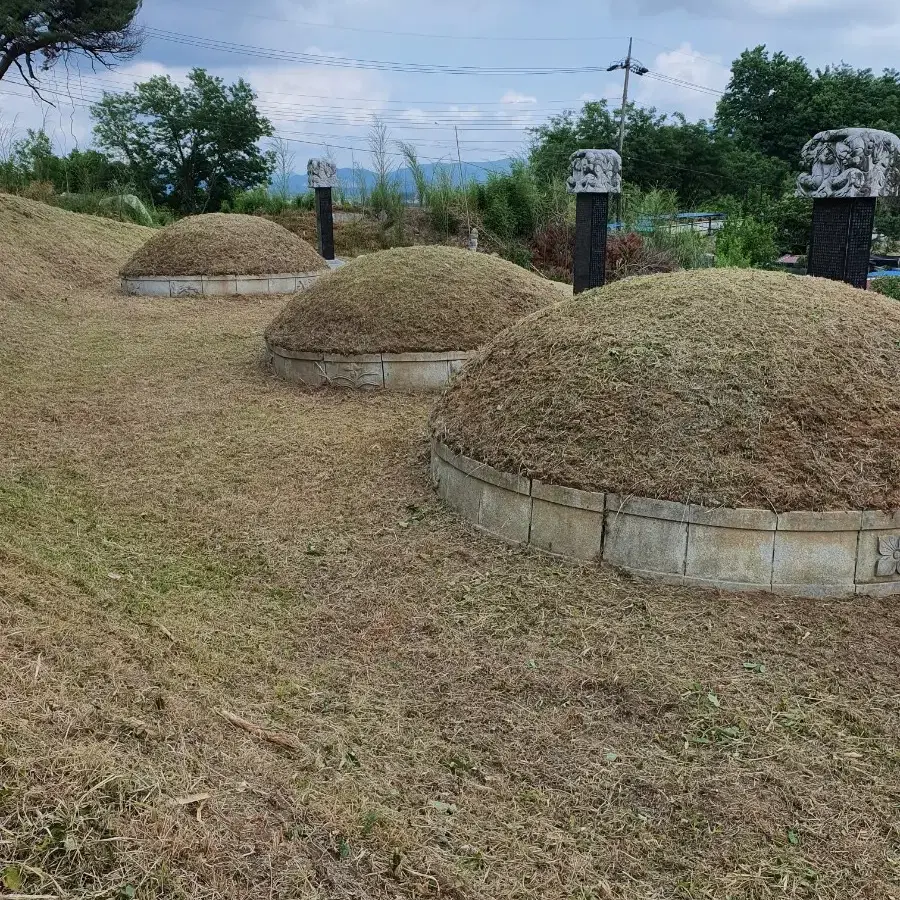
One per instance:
(337,115)
(130,82)
(354,63)
(284,135)
(352,116)
(680,82)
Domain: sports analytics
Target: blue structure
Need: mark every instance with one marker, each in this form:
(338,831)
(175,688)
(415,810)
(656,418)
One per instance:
(688,218)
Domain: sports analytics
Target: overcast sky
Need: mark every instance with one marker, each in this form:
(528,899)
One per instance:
(317,106)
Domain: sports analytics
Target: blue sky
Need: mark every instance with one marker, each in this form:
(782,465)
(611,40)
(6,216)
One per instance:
(316,105)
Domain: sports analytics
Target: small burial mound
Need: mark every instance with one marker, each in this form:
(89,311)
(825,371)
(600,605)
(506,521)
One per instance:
(720,427)
(223,244)
(436,303)
(45,252)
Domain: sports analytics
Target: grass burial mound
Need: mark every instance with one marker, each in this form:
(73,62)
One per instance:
(438,303)
(730,387)
(223,244)
(724,429)
(47,252)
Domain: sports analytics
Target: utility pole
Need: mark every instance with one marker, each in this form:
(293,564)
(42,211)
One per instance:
(624,99)
(630,65)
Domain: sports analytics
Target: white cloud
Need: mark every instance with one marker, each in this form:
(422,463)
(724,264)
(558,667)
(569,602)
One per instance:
(320,104)
(683,65)
(516,97)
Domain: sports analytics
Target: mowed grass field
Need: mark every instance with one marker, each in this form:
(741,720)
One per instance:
(244,653)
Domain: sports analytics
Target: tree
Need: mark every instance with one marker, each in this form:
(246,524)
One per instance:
(34,157)
(552,144)
(102,30)
(192,147)
(285,160)
(773,105)
(694,159)
(847,96)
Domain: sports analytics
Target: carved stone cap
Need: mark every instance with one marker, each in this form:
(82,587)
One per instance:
(595,172)
(321,173)
(851,162)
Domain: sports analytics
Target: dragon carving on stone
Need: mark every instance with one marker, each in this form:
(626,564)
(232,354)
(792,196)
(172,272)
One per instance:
(595,172)
(851,162)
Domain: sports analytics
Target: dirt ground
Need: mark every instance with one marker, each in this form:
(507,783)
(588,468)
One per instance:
(245,654)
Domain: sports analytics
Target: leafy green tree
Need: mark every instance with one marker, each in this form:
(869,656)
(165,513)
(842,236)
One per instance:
(847,96)
(767,105)
(34,157)
(102,30)
(553,143)
(773,105)
(86,171)
(693,159)
(192,147)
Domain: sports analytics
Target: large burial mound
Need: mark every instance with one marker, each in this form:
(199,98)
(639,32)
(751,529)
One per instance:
(410,299)
(723,387)
(46,252)
(223,244)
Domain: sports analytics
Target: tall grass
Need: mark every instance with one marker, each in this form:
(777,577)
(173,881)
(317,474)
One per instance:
(652,214)
(420,179)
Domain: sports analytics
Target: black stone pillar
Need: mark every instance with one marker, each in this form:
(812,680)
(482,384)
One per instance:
(325,222)
(841,239)
(591,223)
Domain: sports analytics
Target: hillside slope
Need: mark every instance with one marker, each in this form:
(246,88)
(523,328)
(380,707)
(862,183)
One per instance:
(45,251)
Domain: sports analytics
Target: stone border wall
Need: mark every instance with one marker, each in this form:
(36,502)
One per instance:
(218,285)
(391,371)
(803,554)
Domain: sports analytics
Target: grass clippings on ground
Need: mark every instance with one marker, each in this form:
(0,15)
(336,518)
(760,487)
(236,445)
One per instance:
(723,386)
(410,299)
(223,244)
(422,713)
(47,252)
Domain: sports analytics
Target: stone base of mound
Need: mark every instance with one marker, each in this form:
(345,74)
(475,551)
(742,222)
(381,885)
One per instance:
(391,371)
(221,285)
(802,554)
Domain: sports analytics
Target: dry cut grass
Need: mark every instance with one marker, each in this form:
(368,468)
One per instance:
(246,654)
(223,244)
(734,387)
(48,252)
(410,299)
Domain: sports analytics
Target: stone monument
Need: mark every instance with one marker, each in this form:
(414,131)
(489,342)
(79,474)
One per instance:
(321,175)
(595,175)
(849,168)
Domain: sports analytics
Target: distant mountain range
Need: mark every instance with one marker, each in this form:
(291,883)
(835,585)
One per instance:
(349,178)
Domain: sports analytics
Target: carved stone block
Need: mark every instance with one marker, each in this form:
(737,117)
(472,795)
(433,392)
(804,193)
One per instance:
(595,172)
(321,173)
(851,162)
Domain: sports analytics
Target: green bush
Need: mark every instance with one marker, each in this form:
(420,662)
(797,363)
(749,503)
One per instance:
(745,242)
(257,200)
(510,205)
(888,285)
